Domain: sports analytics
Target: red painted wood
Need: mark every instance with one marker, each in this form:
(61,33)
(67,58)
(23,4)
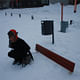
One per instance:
(75,6)
(61,11)
(57,58)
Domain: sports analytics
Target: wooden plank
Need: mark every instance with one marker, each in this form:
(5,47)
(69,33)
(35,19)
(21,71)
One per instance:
(57,58)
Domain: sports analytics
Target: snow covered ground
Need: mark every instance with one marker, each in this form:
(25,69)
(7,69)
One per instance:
(66,44)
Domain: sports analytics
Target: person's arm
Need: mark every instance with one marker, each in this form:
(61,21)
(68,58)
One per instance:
(26,46)
(10,44)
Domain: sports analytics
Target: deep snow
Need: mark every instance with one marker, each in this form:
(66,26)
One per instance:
(66,44)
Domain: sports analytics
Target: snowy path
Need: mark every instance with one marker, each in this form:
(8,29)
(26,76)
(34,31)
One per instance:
(66,45)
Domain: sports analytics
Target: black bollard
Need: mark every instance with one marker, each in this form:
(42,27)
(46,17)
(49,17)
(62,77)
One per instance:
(19,15)
(11,14)
(32,17)
(71,22)
(5,14)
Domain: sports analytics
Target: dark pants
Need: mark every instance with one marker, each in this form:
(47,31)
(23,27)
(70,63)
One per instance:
(15,55)
(18,56)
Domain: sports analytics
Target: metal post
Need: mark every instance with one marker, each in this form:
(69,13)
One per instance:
(61,11)
(75,6)
(53,34)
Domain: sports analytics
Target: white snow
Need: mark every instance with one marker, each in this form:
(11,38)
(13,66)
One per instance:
(66,44)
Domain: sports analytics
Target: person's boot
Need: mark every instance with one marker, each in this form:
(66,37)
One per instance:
(15,62)
(19,61)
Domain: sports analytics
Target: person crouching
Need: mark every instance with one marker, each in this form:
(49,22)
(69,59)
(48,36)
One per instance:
(20,50)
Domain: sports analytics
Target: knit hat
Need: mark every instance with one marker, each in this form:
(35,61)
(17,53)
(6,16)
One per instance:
(13,32)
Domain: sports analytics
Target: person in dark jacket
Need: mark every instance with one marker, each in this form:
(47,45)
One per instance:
(20,49)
